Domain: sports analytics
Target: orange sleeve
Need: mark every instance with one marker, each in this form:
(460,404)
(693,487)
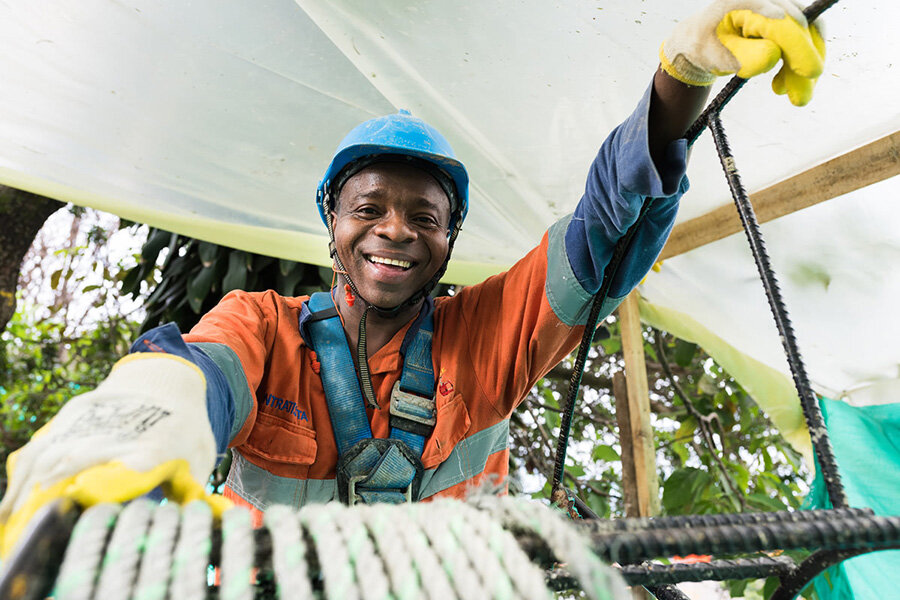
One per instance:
(508,331)
(246,323)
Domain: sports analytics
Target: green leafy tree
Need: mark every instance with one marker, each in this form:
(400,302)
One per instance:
(22,214)
(187,277)
(68,328)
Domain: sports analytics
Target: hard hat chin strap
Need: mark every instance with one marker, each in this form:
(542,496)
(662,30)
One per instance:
(388,313)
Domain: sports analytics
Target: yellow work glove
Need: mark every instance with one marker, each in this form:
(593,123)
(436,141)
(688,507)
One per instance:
(747,37)
(144,426)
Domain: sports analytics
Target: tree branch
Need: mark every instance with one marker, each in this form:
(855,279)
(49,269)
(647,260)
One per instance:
(702,421)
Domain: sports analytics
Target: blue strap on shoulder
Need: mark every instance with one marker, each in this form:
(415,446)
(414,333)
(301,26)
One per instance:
(412,400)
(346,407)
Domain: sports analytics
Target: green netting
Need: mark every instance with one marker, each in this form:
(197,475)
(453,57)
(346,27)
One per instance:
(866,444)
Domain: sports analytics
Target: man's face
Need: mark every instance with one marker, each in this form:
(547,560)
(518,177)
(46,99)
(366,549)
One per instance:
(390,228)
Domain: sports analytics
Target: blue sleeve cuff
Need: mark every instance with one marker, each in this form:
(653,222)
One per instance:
(219,400)
(620,180)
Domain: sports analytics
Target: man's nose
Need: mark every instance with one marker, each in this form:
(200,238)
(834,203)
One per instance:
(395,227)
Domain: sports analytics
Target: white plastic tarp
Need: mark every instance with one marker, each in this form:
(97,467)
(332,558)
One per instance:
(216,119)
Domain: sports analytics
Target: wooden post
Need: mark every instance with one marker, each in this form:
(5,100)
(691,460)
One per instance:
(643,447)
(623,419)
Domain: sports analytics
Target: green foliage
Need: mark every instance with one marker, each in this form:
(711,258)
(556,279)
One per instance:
(716,451)
(41,367)
(188,277)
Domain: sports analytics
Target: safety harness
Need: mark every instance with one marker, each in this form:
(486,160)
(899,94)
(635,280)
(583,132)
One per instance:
(375,470)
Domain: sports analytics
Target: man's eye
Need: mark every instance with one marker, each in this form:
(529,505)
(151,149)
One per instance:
(426,220)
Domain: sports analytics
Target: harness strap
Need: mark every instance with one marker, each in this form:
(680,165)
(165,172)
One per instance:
(371,470)
(345,405)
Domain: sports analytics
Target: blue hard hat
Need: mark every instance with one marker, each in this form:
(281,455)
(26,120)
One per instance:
(404,135)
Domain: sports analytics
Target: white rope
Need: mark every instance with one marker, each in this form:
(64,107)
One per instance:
(120,565)
(526,580)
(398,572)
(156,564)
(337,572)
(288,554)
(372,568)
(84,552)
(452,556)
(192,552)
(597,580)
(237,556)
(435,583)
(440,550)
(493,580)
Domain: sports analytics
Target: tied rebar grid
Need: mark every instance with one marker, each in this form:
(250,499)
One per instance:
(810,409)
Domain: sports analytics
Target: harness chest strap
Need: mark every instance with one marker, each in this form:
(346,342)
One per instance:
(371,470)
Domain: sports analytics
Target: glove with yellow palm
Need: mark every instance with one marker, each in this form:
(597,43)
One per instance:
(747,37)
(144,426)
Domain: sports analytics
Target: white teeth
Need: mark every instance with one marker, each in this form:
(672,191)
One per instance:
(390,261)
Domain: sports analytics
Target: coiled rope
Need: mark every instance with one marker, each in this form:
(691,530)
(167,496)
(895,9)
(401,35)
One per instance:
(439,550)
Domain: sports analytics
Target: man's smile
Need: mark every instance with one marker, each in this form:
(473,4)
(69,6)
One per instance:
(393,262)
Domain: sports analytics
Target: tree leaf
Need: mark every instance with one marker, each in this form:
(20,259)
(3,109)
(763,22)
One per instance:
(687,429)
(199,287)
(236,277)
(154,245)
(605,453)
(54,279)
(207,252)
(612,345)
(683,488)
(684,353)
(681,451)
(764,502)
(326,275)
(287,282)
(260,262)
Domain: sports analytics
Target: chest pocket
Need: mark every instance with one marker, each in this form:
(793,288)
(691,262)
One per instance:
(288,447)
(450,427)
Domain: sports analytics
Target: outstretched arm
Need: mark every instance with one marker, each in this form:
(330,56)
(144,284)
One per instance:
(674,106)
(644,159)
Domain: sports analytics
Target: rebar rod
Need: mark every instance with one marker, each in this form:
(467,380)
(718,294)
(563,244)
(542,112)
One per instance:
(667,592)
(715,570)
(685,521)
(814,421)
(565,426)
(868,532)
(795,582)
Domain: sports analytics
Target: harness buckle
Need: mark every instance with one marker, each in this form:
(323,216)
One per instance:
(353,497)
(411,412)
(378,470)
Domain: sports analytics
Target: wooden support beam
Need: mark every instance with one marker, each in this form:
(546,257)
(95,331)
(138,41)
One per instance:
(643,447)
(626,444)
(856,169)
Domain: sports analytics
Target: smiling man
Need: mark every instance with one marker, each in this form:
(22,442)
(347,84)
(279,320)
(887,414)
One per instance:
(374,392)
